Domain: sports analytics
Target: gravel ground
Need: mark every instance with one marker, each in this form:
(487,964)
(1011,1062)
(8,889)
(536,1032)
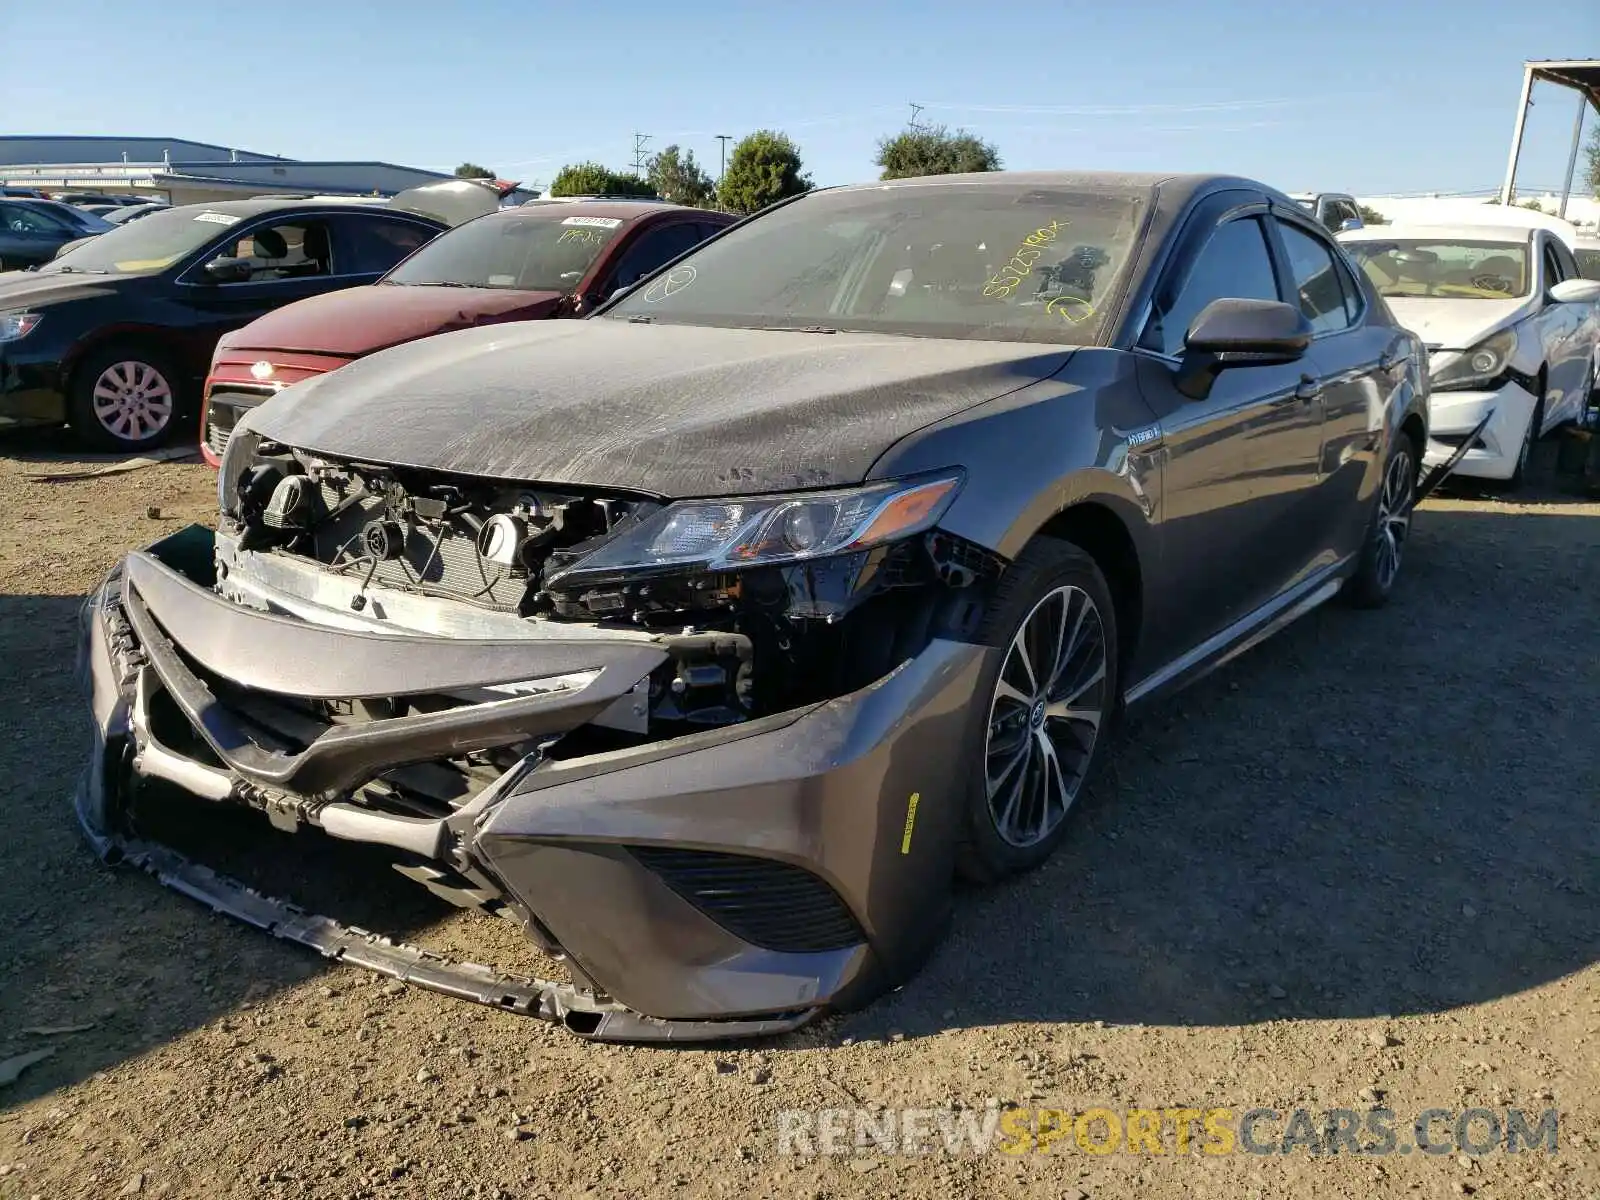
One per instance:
(1359,865)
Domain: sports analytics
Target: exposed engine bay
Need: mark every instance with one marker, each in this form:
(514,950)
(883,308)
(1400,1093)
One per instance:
(743,643)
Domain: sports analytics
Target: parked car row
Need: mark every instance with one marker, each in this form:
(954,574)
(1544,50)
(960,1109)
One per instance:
(117,333)
(708,638)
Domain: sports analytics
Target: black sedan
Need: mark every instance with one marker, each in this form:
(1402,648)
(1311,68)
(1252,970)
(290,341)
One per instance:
(115,335)
(740,617)
(33,231)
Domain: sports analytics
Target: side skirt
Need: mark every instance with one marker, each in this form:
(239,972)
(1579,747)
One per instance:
(1227,644)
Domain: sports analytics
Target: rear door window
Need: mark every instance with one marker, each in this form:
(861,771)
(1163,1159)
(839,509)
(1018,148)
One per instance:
(372,245)
(652,248)
(1319,287)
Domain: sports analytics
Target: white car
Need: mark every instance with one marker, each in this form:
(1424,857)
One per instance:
(1511,328)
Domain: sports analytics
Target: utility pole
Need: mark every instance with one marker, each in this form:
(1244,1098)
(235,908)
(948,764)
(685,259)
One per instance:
(916,111)
(723,169)
(639,139)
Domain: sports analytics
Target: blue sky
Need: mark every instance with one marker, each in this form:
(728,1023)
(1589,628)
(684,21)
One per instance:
(1405,95)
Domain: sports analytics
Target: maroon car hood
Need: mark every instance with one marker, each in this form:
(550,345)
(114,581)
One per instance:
(363,320)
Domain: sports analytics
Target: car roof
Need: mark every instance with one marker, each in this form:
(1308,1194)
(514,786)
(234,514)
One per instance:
(626,210)
(258,206)
(1420,230)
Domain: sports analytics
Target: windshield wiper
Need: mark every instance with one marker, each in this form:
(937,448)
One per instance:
(796,328)
(429,283)
(640,319)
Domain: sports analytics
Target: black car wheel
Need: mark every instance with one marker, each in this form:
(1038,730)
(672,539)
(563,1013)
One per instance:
(1519,475)
(1383,549)
(124,398)
(1049,696)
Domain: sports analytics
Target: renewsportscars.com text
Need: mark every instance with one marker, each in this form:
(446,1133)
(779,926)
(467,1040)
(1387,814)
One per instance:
(1182,1130)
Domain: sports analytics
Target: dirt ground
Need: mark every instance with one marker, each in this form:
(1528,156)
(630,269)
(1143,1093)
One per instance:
(1360,864)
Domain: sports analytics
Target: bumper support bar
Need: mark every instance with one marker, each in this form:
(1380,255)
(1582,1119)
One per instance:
(581,1012)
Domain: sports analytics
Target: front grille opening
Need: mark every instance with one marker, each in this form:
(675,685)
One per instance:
(223,413)
(767,903)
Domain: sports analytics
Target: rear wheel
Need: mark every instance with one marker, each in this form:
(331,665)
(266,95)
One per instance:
(1384,547)
(1049,696)
(124,397)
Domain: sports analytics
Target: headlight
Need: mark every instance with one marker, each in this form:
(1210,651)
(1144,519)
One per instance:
(1482,364)
(727,535)
(17,325)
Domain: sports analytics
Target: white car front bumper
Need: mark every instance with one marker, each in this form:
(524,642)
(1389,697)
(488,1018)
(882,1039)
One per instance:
(1453,415)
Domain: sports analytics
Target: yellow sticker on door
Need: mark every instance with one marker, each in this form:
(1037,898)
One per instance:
(911,820)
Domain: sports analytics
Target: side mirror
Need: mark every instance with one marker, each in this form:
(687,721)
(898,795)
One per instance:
(1576,291)
(227,270)
(1349,223)
(1240,333)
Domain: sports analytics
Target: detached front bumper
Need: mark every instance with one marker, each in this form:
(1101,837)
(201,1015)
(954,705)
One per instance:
(733,882)
(1452,416)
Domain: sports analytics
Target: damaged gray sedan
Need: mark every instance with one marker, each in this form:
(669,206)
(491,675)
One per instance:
(708,639)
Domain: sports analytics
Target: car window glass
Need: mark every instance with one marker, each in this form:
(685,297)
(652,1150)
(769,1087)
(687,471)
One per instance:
(654,247)
(19,218)
(1319,290)
(1007,261)
(1450,269)
(535,249)
(1235,264)
(1354,301)
(1589,263)
(1569,265)
(1555,269)
(374,244)
(285,250)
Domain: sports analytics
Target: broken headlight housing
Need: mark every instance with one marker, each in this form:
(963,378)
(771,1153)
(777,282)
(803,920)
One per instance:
(1479,367)
(751,531)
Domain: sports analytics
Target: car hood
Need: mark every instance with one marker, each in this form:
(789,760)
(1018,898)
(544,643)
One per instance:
(1452,324)
(659,409)
(357,321)
(25,289)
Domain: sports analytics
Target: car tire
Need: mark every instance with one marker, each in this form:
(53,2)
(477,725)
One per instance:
(1383,545)
(1519,474)
(124,397)
(1039,732)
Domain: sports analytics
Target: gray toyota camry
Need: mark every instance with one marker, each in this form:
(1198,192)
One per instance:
(710,638)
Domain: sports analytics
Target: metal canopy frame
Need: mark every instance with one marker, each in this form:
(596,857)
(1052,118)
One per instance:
(1582,75)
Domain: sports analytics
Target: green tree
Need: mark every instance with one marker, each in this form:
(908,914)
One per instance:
(1371,216)
(1532,205)
(592,179)
(1591,172)
(934,150)
(763,169)
(471,170)
(676,176)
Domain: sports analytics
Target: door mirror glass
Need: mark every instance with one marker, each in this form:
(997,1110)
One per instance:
(227,270)
(1349,223)
(1576,291)
(1240,333)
